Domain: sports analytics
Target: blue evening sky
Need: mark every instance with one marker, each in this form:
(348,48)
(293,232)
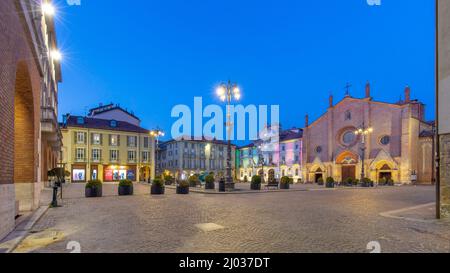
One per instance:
(149,55)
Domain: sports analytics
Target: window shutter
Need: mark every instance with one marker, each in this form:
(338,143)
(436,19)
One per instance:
(118,140)
(85,138)
(109,139)
(74,137)
(128,141)
(101,139)
(92,138)
(136,141)
(118,155)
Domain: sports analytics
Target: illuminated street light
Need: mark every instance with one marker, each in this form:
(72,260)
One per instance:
(48,9)
(56,55)
(157,133)
(227,93)
(363,132)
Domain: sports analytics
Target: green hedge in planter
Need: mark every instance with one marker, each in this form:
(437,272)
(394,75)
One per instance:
(367,183)
(285,183)
(320,182)
(125,187)
(330,182)
(194,181)
(183,187)
(94,188)
(256,182)
(349,182)
(210,182)
(157,186)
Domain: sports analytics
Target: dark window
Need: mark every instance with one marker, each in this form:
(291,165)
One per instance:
(319,149)
(113,123)
(385,140)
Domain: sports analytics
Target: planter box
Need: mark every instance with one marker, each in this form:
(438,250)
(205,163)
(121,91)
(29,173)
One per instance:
(210,186)
(284,186)
(93,192)
(156,190)
(330,185)
(255,187)
(182,190)
(125,190)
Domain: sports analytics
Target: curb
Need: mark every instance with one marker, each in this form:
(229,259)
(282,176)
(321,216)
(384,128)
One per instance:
(20,233)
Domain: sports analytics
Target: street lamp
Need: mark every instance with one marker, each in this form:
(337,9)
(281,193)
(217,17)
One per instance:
(157,133)
(48,9)
(363,132)
(227,93)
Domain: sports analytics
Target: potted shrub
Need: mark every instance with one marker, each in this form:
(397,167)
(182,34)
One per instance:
(320,181)
(383,181)
(390,182)
(256,183)
(366,183)
(125,187)
(194,181)
(168,180)
(210,182)
(349,182)
(94,189)
(285,183)
(157,187)
(356,182)
(245,179)
(330,182)
(183,187)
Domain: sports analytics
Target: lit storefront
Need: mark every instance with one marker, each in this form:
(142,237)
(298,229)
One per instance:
(79,173)
(113,173)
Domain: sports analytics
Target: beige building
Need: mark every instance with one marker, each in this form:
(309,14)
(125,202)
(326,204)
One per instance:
(444,102)
(107,150)
(185,157)
(399,147)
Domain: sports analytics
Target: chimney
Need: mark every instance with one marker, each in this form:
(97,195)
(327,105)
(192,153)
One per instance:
(407,94)
(331,101)
(306,120)
(368,90)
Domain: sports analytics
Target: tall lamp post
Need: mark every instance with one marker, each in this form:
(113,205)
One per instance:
(227,93)
(157,133)
(363,132)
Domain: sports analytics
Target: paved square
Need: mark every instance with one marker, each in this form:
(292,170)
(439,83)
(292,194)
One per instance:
(303,221)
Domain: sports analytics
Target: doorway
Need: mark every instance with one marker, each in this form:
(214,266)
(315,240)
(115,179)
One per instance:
(348,171)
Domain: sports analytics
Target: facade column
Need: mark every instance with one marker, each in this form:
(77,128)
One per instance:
(443,111)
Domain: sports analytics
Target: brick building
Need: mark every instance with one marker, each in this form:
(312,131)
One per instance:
(29,77)
(400,147)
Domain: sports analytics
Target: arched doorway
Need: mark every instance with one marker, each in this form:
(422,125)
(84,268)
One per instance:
(318,175)
(24,140)
(348,161)
(385,172)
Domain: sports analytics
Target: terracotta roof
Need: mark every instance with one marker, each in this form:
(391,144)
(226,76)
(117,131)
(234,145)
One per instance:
(103,124)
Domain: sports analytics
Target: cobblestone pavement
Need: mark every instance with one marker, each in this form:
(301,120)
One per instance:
(309,221)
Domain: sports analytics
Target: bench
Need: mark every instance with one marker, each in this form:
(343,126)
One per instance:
(275,185)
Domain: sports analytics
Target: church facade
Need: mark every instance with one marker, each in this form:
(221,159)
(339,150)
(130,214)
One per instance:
(398,143)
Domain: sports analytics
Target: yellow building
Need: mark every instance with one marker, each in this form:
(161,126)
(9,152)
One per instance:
(108,150)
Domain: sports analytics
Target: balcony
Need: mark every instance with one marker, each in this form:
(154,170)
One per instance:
(49,120)
(50,128)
